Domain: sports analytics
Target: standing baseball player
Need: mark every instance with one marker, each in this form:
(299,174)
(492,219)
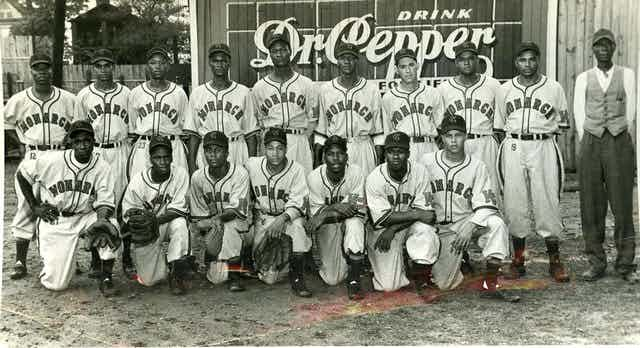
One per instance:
(412,107)
(157,107)
(478,98)
(41,116)
(104,104)
(466,207)
(161,192)
(605,113)
(218,202)
(221,105)
(287,100)
(350,107)
(396,194)
(530,163)
(280,190)
(336,202)
(73,190)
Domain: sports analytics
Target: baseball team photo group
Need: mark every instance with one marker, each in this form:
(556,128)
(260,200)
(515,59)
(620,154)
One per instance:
(297,174)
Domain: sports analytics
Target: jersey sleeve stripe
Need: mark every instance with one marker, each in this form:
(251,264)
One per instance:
(179,212)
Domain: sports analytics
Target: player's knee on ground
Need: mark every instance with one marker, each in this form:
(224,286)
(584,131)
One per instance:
(495,242)
(295,230)
(423,243)
(218,272)
(353,235)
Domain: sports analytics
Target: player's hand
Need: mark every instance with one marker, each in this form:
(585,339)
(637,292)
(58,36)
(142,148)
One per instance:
(463,238)
(384,240)
(346,210)
(276,228)
(314,223)
(46,212)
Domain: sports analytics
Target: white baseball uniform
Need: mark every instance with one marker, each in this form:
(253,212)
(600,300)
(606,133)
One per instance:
(157,113)
(384,197)
(274,194)
(333,238)
(530,163)
(167,196)
(291,105)
(41,126)
(76,190)
(355,114)
(481,105)
(108,113)
(209,197)
(229,111)
(462,193)
(417,114)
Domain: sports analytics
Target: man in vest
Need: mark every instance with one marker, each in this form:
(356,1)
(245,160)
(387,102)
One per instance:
(604,108)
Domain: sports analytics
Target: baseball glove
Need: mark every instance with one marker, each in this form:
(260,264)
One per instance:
(273,253)
(100,234)
(142,226)
(213,240)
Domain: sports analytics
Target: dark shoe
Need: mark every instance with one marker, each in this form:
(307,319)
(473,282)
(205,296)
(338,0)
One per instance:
(354,290)
(129,269)
(235,286)
(107,288)
(631,277)
(499,295)
(558,272)
(592,274)
(19,271)
(300,288)
(95,272)
(465,266)
(181,273)
(516,269)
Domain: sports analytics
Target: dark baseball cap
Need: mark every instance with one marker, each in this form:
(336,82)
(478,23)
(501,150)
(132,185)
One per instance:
(219,48)
(466,46)
(528,46)
(103,54)
(275,134)
(215,138)
(397,139)
(453,122)
(158,51)
(347,48)
(405,53)
(603,34)
(40,58)
(278,38)
(79,127)
(335,140)
(159,141)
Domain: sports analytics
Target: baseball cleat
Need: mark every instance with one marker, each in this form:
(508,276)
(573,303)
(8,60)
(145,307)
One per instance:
(300,288)
(19,271)
(235,286)
(354,290)
(499,295)
(558,272)
(107,288)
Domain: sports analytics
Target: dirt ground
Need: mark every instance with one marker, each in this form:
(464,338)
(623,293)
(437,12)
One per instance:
(572,313)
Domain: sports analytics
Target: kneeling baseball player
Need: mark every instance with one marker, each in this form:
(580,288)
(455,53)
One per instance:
(336,202)
(155,210)
(280,189)
(462,195)
(396,193)
(74,196)
(218,199)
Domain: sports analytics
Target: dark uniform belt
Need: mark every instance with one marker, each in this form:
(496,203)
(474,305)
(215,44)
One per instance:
(148,137)
(67,213)
(476,136)
(294,131)
(45,147)
(232,139)
(107,145)
(422,139)
(530,136)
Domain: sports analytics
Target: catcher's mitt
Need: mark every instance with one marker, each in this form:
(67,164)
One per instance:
(273,253)
(142,226)
(100,234)
(213,240)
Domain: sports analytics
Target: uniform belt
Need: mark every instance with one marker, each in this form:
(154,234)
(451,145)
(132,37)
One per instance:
(108,145)
(67,213)
(45,147)
(232,139)
(530,136)
(358,138)
(422,139)
(148,137)
(294,131)
(476,136)
(443,223)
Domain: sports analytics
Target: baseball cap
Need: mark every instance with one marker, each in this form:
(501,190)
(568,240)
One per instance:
(346,48)
(103,54)
(157,50)
(159,141)
(453,122)
(276,38)
(404,53)
(603,33)
(219,48)
(79,127)
(39,58)
(528,46)
(466,46)
(397,139)
(275,134)
(215,138)
(335,140)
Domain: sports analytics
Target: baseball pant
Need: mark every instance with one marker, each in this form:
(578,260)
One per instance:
(235,234)
(362,153)
(422,244)
(299,150)
(532,173)
(493,240)
(139,159)
(486,149)
(419,149)
(238,153)
(58,243)
(294,229)
(336,240)
(117,158)
(606,174)
(150,260)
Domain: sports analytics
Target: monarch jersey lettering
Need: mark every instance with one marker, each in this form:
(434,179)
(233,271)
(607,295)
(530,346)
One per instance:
(162,112)
(209,196)
(169,195)
(322,192)
(416,113)
(106,110)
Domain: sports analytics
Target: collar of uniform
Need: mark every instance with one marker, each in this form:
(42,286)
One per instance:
(71,160)
(145,87)
(455,83)
(327,181)
(421,87)
(338,86)
(54,93)
(217,91)
(405,178)
(226,175)
(543,79)
(448,164)
(271,81)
